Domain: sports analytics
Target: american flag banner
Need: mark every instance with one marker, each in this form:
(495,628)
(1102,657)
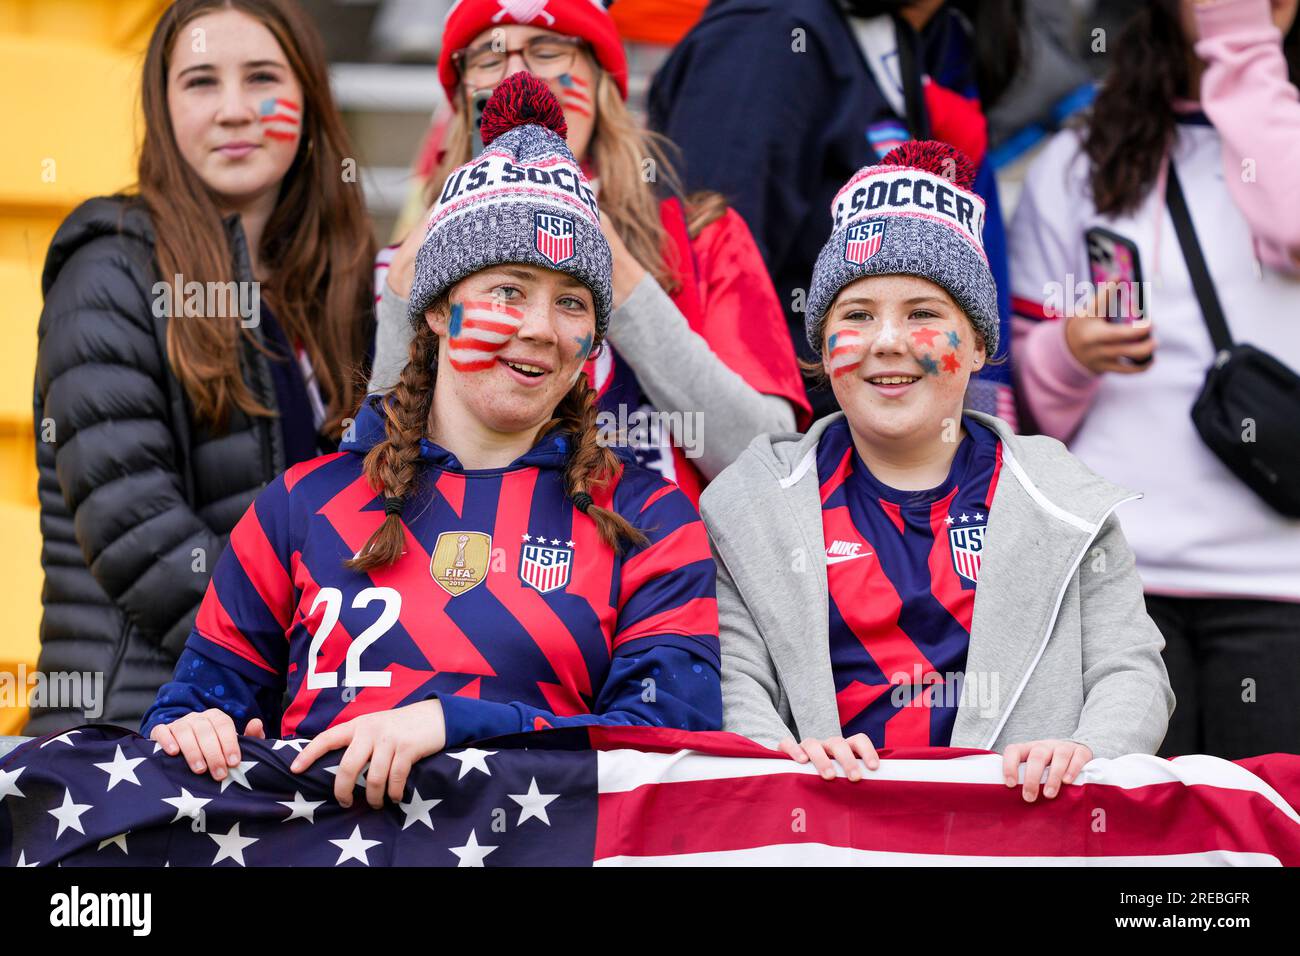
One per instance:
(100,795)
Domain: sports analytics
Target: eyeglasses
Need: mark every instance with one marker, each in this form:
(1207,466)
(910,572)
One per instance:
(545,57)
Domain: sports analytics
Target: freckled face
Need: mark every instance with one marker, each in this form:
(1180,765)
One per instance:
(513,342)
(899,352)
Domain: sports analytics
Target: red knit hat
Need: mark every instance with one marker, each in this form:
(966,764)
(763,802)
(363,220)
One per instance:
(587,19)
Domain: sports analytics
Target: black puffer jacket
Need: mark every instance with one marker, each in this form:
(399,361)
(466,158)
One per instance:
(137,501)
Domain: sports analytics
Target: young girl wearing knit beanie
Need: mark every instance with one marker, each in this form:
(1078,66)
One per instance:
(699,359)
(473,562)
(963,586)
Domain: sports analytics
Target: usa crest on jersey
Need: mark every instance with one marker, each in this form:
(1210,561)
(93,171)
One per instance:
(862,241)
(967,548)
(545,568)
(553,236)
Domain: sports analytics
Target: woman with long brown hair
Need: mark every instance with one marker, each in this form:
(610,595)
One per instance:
(699,360)
(199,335)
(474,562)
(1200,102)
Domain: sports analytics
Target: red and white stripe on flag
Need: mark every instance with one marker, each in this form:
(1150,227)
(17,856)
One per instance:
(927,807)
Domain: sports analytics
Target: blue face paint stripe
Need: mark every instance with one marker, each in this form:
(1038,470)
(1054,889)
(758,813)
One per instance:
(457,314)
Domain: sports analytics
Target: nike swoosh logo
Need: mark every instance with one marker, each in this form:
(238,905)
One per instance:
(846,557)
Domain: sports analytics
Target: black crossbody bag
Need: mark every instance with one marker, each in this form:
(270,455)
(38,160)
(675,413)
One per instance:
(1244,385)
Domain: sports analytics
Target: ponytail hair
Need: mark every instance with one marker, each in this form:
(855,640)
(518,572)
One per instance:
(393,465)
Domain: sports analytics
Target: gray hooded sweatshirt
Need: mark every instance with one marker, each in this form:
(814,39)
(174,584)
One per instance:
(1061,645)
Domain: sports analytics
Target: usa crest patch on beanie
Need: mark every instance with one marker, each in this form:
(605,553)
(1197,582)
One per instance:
(524,200)
(916,213)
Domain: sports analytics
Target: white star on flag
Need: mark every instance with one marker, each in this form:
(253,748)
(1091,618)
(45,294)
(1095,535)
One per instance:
(471,854)
(978,516)
(568,544)
(231,845)
(22,860)
(361,777)
(69,814)
(65,738)
(121,768)
(9,784)
(354,847)
(472,759)
(964,517)
(533,803)
(187,805)
(295,744)
(300,808)
(555,541)
(239,775)
(527,536)
(948,520)
(120,840)
(417,811)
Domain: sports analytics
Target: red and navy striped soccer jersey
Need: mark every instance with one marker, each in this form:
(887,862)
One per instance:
(506,605)
(901,568)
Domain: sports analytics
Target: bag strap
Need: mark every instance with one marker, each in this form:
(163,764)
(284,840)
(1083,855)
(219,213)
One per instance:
(1206,295)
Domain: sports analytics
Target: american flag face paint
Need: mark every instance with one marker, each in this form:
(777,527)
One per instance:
(478,331)
(574,95)
(846,349)
(280,118)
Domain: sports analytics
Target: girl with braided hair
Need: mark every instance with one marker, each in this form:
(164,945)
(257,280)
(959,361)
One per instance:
(473,561)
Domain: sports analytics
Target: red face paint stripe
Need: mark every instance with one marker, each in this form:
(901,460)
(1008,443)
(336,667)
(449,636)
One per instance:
(276,134)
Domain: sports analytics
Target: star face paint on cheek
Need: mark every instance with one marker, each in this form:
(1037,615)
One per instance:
(930,366)
(584,349)
(573,94)
(845,351)
(280,118)
(925,337)
(950,363)
(954,340)
(477,331)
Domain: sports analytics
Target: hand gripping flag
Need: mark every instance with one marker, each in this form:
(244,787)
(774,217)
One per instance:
(99,795)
